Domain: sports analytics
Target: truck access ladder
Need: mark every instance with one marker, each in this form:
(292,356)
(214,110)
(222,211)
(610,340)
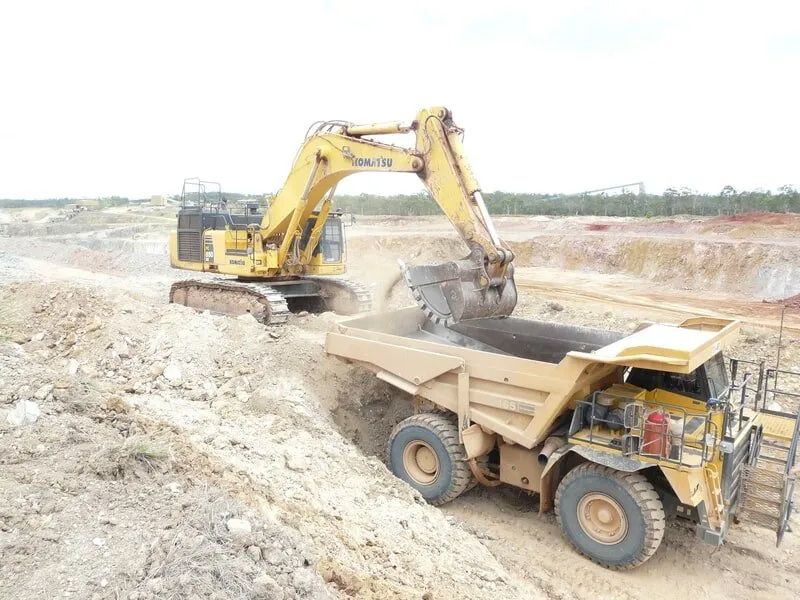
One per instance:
(769,477)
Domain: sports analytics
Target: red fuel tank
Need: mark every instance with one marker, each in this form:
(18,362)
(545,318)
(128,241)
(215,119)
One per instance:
(655,441)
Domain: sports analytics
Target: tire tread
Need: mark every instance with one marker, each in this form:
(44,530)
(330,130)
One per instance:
(645,496)
(445,427)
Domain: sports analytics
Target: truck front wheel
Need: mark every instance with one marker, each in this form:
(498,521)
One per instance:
(424,452)
(614,518)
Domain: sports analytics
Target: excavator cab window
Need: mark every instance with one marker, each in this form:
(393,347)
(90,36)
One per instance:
(331,240)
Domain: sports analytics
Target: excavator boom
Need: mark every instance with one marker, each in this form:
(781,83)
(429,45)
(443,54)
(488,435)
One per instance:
(478,285)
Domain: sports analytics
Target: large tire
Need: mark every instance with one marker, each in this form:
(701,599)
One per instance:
(425,453)
(616,519)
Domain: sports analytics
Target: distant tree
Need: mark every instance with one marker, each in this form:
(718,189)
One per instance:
(671,192)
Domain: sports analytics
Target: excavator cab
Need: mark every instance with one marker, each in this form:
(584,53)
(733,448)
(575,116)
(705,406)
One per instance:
(330,248)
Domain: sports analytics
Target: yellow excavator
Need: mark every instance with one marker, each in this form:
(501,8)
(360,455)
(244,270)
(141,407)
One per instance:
(293,252)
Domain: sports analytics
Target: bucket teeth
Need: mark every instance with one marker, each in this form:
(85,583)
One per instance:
(451,292)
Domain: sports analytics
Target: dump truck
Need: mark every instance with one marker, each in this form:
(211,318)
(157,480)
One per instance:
(614,432)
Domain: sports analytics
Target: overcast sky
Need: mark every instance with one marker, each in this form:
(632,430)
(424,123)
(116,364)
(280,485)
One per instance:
(128,98)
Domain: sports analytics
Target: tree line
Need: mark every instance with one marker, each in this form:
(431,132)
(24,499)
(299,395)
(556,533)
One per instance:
(60,202)
(674,201)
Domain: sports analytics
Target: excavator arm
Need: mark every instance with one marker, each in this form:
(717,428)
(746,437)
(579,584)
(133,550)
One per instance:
(479,285)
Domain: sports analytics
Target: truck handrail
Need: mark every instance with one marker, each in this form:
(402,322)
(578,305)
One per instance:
(707,442)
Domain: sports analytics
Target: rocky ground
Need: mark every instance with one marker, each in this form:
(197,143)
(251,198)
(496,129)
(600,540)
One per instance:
(157,452)
(161,428)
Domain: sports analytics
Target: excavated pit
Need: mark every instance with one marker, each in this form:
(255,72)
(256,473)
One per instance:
(279,440)
(368,420)
(749,255)
(743,267)
(749,268)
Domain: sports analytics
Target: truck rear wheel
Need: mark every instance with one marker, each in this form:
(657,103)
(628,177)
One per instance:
(614,518)
(425,453)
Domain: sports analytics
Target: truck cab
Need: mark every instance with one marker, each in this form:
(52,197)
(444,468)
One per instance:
(677,416)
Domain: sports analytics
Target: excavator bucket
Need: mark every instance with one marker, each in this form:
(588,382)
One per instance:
(451,292)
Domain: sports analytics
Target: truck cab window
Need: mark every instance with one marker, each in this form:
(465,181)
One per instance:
(680,383)
(717,376)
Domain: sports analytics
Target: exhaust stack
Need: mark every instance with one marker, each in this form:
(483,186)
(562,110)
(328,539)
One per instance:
(550,445)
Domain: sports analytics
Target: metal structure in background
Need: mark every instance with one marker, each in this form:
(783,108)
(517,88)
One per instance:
(623,188)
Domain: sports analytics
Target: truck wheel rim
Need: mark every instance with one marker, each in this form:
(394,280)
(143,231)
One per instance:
(602,518)
(420,462)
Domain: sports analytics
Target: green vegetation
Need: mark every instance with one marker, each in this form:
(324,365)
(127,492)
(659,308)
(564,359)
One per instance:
(58,202)
(674,201)
(671,202)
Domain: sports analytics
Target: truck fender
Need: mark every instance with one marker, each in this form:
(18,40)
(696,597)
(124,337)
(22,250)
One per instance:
(552,472)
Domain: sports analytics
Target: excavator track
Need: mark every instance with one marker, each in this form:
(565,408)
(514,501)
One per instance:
(266,300)
(232,297)
(343,296)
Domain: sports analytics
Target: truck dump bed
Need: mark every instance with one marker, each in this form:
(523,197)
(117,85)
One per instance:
(504,370)
(514,377)
(533,340)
